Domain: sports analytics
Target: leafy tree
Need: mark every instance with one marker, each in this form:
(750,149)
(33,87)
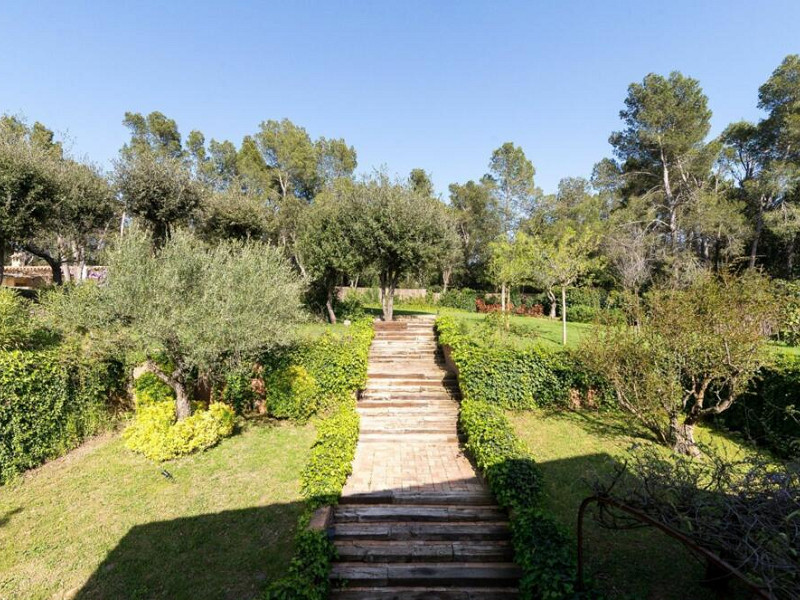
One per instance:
(420,182)
(159,189)
(562,260)
(326,244)
(477,222)
(513,174)
(233,213)
(694,353)
(396,230)
(510,264)
(204,309)
(154,133)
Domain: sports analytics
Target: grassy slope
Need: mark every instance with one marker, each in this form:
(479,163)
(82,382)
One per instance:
(101,514)
(573,449)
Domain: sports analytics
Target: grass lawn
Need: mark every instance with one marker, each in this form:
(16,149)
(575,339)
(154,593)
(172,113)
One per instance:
(534,329)
(102,522)
(574,448)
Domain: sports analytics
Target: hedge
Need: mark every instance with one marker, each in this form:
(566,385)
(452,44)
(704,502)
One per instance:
(513,380)
(338,377)
(50,401)
(769,411)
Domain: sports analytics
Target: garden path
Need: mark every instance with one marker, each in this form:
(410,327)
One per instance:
(415,520)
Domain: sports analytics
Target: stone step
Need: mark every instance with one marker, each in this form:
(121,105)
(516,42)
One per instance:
(424,593)
(408,376)
(408,412)
(444,403)
(423,551)
(472,498)
(410,512)
(414,530)
(433,574)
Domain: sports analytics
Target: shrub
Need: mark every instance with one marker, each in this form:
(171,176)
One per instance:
(789,324)
(14,320)
(238,391)
(769,411)
(352,307)
(50,401)
(463,299)
(292,393)
(541,548)
(157,435)
(581,313)
(330,462)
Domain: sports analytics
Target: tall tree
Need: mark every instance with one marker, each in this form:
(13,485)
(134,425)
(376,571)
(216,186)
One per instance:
(478,223)
(420,182)
(662,149)
(513,174)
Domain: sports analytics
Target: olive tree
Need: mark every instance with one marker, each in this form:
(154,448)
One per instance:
(204,308)
(396,230)
(691,357)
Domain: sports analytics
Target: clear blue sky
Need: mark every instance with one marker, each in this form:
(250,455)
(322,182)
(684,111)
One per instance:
(435,84)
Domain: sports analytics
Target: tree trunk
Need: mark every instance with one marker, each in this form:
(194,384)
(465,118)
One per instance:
(681,436)
(446,273)
(183,407)
(564,315)
(388,283)
(757,234)
(54,264)
(552,297)
(329,306)
(503,298)
(790,258)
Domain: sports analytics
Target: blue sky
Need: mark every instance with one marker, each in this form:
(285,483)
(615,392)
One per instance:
(435,84)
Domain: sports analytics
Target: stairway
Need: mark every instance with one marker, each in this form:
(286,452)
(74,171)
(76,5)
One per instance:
(415,521)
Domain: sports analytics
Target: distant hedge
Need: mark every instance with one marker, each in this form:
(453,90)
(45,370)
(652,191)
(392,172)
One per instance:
(50,401)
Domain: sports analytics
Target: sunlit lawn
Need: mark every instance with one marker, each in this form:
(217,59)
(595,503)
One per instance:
(575,448)
(105,523)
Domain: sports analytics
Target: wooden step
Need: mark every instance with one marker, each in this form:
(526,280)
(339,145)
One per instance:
(424,593)
(411,512)
(412,530)
(370,551)
(482,498)
(434,574)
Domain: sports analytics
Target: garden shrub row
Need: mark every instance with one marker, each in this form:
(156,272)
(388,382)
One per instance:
(339,377)
(50,401)
(541,548)
(519,378)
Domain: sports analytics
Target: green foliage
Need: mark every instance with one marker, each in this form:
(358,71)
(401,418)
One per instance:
(292,393)
(148,389)
(156,434)
(238,391)
(331,458)
(789,324)
(332,455)
(540,546)
(581,313)
(515,377)
(769,411)
(50,401)
(14,320)
(463,299)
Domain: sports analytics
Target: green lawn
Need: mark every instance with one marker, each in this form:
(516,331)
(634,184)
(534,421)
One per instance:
(102,522)
(573,449)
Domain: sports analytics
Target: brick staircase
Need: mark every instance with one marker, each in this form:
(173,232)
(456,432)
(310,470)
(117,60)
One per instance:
(415,521)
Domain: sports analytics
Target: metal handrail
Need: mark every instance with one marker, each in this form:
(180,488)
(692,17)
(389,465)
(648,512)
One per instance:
(670,531)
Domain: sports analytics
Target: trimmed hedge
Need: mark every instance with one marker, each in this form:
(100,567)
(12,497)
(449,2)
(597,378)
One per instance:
(50,401)
(769,412)
(518,378)
(541,548)
(340,376)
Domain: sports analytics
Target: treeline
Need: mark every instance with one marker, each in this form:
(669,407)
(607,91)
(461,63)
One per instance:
(669,202)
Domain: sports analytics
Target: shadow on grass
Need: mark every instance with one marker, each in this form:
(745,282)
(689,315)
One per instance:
(5,518)
(229,555)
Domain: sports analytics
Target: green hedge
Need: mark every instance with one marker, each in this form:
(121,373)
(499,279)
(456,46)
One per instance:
(460,298)
(340,376)
(769,412)
(50,401)
(518,378)
(541,548)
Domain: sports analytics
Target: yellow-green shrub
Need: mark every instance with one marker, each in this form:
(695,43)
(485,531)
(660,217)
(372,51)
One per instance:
(155,431)
(292,393)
